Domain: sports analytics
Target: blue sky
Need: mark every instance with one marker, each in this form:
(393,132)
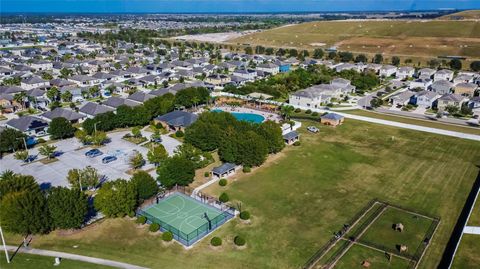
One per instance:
(219,6)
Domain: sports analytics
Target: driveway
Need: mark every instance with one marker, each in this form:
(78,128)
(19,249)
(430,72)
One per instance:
(54,174)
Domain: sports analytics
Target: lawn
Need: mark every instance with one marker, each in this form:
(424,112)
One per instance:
(29,261)
(382,233)
(426,123)
(303,195)
(357,254)
(475,216)
(467,253)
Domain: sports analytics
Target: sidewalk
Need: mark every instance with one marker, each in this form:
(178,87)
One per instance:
(75,257)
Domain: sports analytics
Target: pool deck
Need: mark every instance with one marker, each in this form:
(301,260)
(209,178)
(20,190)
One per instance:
(267,115)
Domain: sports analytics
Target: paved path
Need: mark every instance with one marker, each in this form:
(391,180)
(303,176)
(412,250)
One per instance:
(75,257)
(373,120)
(471,230)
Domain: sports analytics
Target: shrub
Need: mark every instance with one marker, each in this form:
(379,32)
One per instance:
(154,227)
(315,113)
(222,182)
(216,241)
(131,214)
(167,236)
(41,140)
(224,197)
(245,215)
(247,169)
(298,110)
(179,134)
(141,220)
(297,143)
(206,174)
(239,241)
(309,111)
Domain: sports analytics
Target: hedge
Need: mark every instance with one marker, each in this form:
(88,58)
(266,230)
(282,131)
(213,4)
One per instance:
(239,241)
(154,227)
(141,220)
(224,198)
(167,236)
(222,182)
(247,169)
(216,241)
(245,215)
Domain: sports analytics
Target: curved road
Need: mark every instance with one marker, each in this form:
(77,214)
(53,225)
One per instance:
(75,257)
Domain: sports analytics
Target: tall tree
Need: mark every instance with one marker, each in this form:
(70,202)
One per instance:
(176,171)
(157,154)
(145,185)
(116,198)
(67,207)
(61,128)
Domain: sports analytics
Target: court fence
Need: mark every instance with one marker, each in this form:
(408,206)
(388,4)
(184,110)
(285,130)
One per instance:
(192,237)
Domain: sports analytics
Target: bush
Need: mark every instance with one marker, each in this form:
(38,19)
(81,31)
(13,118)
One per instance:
(247,169)
(167,236)
(245,215)
(239,241)
(154,227)
(131,214)
(309,111)
(216,241)
(224,197)
(206,174)
(141,220)
(222,182)
(298,110)
(297,143)
(315,113)
(179,134)
(41,140)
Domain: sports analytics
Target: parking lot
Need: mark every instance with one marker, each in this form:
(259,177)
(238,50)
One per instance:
(55,173)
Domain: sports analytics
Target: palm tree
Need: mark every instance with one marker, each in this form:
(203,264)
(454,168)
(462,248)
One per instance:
(47,151)
(20,98)
(287,111)
(195,101)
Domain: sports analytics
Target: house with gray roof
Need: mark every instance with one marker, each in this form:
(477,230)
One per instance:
(441,86)
(291,137)
(443,74)
(309,97)
(177,120)
(34,82)
(140,96)
(60,112)
(29,125)
(92,109)
(427,99)
(115,102)
(451,100)
(402,99)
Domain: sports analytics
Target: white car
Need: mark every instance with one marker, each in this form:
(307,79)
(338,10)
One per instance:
(313,129)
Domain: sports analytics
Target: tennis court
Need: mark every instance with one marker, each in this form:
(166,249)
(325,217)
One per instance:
(188,219)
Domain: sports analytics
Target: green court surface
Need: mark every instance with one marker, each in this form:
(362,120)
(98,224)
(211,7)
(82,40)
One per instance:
(183,213)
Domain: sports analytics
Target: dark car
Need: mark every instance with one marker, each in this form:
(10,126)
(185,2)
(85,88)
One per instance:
(93,153)
(109,159)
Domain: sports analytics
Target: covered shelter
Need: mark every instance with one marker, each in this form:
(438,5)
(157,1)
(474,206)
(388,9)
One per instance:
(176,120)
(224,170)
(291,137)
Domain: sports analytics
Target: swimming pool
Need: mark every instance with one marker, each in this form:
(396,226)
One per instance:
(245,116)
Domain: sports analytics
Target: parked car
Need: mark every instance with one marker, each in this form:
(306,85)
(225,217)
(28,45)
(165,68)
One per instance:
(109,159)
(93,153)
(313,129)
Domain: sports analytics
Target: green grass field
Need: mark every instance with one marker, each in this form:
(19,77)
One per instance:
(357,254)
(467,253)
(382,233)
(475,216)
(29,261)
(426,123)
(398,37)
(301,196)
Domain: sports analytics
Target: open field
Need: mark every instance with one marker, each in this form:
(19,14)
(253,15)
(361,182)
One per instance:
(302,196)
(426,123)
(467,253)
(28,261)
(355,255)
(400,37)
(462,15)
(475,216)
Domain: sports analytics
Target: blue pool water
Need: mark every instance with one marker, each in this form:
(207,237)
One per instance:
(245,116)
